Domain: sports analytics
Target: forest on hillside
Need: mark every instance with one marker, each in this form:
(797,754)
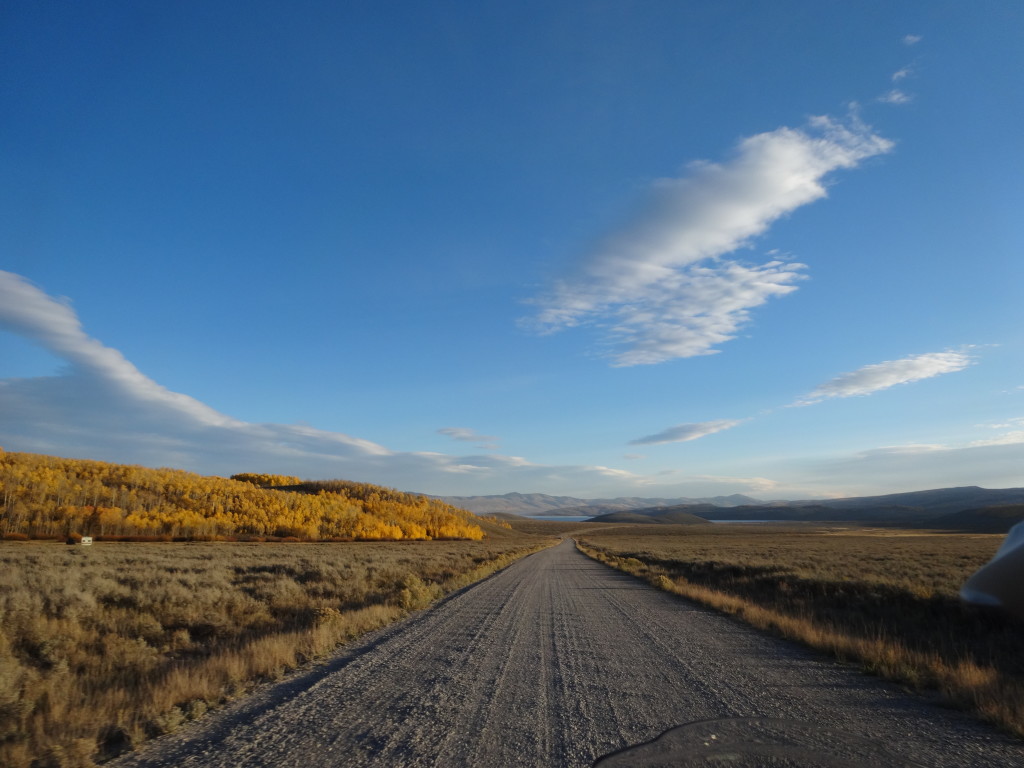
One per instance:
(50,497)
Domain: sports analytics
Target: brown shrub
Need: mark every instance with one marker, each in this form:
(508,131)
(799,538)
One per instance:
(102,648)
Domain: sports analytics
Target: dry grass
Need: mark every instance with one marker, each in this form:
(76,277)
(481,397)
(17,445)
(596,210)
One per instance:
(886,601)
(106,646)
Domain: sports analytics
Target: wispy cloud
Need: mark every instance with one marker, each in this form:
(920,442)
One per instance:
(661,289)
(752,484)
(873,378)
(901,74)
(864,381)
(27,311)
(1007,438)
(694,309)
(912,39)
(682,433)
(1008,424)
(1014,433)
(466,435)
(102,407)
(463,434)
(910,467)
(895,96)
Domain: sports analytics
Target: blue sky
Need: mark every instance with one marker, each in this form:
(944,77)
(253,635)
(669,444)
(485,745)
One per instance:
(585,248)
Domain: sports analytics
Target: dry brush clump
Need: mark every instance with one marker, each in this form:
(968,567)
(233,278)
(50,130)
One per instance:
(886,601)
(104,647)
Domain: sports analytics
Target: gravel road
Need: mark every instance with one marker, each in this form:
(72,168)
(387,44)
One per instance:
(552,662)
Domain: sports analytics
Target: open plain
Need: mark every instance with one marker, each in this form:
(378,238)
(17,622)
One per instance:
(552,662)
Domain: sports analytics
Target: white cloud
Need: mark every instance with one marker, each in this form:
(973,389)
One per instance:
(910,449)
(102,407)
(27,311)
(616,473)
(873,378)
(752,484)
(1008,424)
(912,39)
(466,435)
(1007,438)
(695,308)
(682,433)
(660,286)
(1013,435)
(895,96)
(901,74)
(911,467)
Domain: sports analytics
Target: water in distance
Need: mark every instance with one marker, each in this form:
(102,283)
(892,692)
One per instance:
(562,518)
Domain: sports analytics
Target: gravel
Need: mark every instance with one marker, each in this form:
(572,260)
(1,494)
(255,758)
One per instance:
(553,662)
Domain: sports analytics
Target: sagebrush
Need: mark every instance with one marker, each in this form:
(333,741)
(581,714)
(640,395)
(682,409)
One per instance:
(103,647)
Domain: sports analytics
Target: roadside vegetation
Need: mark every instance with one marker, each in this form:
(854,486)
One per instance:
(883,598)
(198,589)
(106,646)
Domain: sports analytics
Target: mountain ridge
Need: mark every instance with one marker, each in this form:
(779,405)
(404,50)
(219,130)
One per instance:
(917,507)
(533,504)
(972,507)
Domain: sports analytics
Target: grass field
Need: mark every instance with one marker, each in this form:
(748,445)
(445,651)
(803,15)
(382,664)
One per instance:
(886,599)
(103,647)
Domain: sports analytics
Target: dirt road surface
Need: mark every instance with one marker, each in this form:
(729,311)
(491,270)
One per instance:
(552,662)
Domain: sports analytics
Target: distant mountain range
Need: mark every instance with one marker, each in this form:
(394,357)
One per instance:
(533,504)
(967,508)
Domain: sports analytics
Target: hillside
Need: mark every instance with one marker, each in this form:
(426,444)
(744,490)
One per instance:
(911,508)
(996,519)
(816,512)
(917,508)
(46,497)
(542,504)
(936,501)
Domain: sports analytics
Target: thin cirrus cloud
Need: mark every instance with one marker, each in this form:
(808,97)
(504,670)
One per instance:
(1013,436)
(466,435)
(682,433)
(991,464)
(879,376)
(463,434)
(864,381)
(661,289)
(898,95)
(895,96)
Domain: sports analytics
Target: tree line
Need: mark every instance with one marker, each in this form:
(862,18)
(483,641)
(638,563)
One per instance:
(47,496)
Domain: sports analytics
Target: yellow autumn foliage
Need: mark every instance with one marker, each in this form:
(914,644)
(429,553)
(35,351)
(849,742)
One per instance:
(47,496)
(266,481)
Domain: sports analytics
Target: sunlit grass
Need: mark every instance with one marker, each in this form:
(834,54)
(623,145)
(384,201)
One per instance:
(104,647)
